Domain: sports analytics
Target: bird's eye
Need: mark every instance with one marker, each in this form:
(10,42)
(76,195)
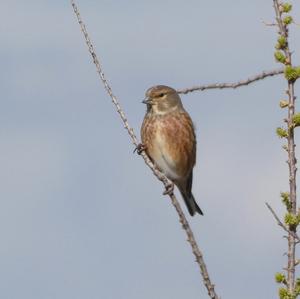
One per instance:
(161,95)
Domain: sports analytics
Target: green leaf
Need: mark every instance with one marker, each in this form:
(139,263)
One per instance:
(285,197)
(280,278)
(286,7)
(287,20)
(297,287)
(292,73)
(296,120)
(279,57)
(292,220)
(282,133)
(285,294)
(283,103)
(281,42)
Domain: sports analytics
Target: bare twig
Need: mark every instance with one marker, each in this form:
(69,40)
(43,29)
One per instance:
(159,175)
(233,85)
(268,24)
(279,222)
(284,35)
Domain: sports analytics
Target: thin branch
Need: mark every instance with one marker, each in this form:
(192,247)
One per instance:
(279,222)
(233,85)
(268,24)
(191,239)
(284,35)
(276,217)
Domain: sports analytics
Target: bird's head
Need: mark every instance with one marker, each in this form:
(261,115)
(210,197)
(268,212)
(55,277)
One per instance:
(162,99)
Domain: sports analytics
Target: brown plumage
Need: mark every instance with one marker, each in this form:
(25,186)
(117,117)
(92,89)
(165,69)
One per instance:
(169,139)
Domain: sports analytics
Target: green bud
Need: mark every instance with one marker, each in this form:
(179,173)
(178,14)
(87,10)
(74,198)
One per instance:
(285,197)
(292,220)
(284,294)
(296,292)
(287,20)
(286,7)
(296,120)
(289,219)
(297,287)
(283,103)
(281,42)
(292,73)
(280,278)
(279,57)
(282,133)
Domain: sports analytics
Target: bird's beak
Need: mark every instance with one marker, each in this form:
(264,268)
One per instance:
(147,101)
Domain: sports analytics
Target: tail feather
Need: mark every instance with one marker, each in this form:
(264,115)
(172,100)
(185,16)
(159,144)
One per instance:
(191,204)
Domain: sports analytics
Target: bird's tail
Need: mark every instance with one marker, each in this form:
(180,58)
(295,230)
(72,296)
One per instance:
(191,203)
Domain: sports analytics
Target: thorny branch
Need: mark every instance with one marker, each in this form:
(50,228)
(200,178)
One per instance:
(191,239)
(284,34)
(234,85)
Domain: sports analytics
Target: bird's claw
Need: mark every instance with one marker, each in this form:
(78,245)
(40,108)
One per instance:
(169,189)
(140,148)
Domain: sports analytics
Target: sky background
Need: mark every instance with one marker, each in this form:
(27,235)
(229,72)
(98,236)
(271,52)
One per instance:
(81,216)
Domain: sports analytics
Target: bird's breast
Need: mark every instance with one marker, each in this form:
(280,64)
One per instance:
(170,143)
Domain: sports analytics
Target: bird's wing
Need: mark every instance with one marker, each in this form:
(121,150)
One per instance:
(177,145)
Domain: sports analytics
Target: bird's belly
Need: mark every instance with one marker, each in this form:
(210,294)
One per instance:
(163,158)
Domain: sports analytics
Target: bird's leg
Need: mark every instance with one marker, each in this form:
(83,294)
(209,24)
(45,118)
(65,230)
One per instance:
(169,189)
(140,148)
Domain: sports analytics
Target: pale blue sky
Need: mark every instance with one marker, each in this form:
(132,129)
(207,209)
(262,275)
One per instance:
(80,215)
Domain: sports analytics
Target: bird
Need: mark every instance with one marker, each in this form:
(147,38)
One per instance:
(169,139)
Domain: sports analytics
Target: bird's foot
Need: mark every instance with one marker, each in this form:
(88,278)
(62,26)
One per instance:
(169,189)
(140,148)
